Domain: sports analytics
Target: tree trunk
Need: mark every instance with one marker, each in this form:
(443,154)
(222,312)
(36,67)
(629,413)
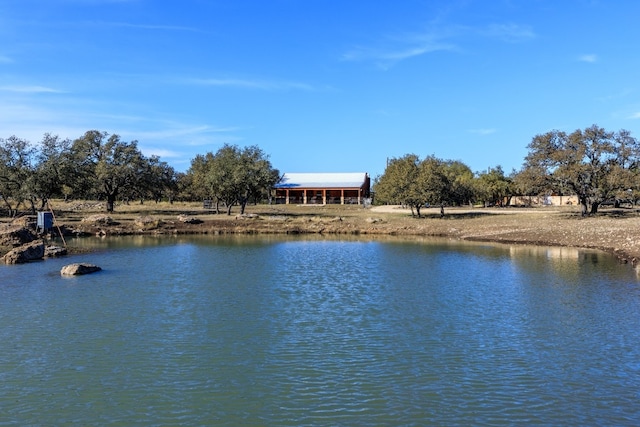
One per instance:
(594,208)
(243,205)
(229,209)
(9,207)
(111,201)
(33,206)
(583,205)
(418,210)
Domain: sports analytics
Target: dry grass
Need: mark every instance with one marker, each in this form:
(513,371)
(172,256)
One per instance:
(616,231)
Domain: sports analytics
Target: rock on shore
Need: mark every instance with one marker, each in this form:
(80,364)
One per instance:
(186,219)
(30,252)
(53,251)
(15,235)
(98,219)
(147,223)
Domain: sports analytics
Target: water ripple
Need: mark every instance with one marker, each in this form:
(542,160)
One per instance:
(247,332)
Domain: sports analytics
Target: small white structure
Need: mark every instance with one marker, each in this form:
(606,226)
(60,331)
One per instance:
(544,200)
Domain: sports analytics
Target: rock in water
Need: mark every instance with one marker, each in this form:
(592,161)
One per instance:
(78,269)
(52,251)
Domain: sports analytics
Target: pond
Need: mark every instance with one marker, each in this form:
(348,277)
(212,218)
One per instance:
(269,331)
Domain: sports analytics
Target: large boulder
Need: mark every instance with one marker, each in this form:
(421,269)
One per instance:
(371,220)
(30,252)
(27,221)
(186,219)
(79,268)
(147,223)
(248,216)
(98,219)
(15,235)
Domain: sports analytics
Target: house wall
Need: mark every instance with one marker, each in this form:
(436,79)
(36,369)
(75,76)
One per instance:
(315,196)
(315,193)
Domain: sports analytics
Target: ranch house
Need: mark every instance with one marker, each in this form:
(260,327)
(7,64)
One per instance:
(323,188)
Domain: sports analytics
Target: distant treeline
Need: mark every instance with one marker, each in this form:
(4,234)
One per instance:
(102,166)
(594,164)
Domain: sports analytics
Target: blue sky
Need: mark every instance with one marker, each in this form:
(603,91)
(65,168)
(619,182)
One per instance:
(321,85)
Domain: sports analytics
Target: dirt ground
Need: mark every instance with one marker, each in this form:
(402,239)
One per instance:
(612,230)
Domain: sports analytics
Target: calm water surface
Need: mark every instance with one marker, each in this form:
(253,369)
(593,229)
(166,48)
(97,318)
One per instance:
(248,331)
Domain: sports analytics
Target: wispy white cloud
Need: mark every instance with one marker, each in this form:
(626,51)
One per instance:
(399,48)
(159,27)
(622,94)
(189,143)
(394,49)
(15,113)
(387,56)
(249,84)
(179,143)
(5,59)
(590,58)
(635,116)
(171,130)
(31,120)
(512,33)
(93,2)
(163,153)
(29,89)
(172,139)
(483,131)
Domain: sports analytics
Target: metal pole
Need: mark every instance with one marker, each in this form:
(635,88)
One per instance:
(56,223)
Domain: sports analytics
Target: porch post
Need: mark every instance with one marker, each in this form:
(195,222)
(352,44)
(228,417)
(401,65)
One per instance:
(286,200)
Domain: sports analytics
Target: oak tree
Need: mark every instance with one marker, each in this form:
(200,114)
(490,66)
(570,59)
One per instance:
(16,172)
(106,165)
(593,163)
(232,176)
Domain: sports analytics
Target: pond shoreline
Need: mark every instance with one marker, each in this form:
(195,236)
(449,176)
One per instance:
(616,231)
